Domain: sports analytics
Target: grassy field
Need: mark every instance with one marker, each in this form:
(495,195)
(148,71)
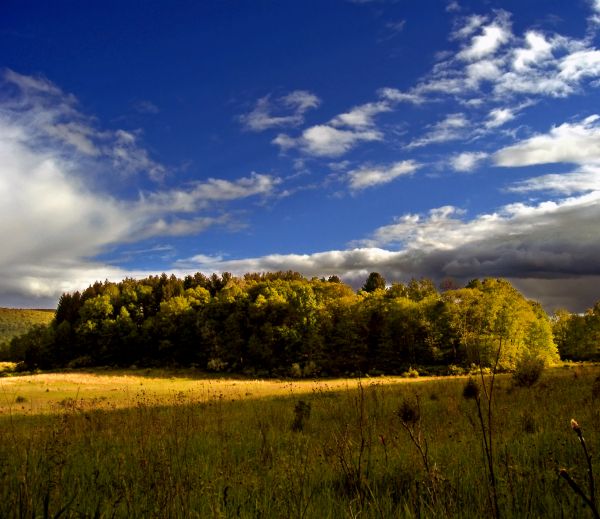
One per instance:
(15,321)
(173,444)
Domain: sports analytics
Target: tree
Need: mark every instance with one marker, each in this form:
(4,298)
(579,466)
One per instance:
(375,281)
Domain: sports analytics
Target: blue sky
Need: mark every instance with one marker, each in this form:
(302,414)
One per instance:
(433,138)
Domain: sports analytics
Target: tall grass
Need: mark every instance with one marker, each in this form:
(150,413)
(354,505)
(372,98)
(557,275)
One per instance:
(359,453)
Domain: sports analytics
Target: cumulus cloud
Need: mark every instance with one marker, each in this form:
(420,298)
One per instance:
(536,49)
(53,218)
(498,117)
(495,63)
(287,110)
(546,249)
(582,180)
(53,119)
(489,41)
(577,143)
(327,141)
(467,161)
(346,130)
(554,243)
(366,176)
(361,116)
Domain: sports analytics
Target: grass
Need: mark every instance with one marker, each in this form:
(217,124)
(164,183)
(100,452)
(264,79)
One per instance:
(143,444)
(117,389)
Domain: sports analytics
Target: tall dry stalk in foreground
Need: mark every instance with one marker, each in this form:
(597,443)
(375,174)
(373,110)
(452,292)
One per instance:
(483,395)
(590,499)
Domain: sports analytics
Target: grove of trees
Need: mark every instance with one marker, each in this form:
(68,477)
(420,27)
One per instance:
(282,323)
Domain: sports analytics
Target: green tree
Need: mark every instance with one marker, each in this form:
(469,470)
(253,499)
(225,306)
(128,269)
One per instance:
(375,281)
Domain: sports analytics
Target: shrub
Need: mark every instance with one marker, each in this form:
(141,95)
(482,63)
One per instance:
(453,369)
(528,371)
(295,370)
(410,373)
(310,369)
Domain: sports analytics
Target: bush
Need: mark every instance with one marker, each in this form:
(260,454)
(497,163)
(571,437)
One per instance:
(453,369)
(528,371)
(310,369)
(410,373)
(295,370)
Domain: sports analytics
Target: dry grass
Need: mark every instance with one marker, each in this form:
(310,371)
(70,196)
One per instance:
(185,446)
(45,393)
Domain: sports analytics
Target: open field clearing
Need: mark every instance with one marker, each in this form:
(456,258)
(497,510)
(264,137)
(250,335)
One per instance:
(191,447)
(49,392)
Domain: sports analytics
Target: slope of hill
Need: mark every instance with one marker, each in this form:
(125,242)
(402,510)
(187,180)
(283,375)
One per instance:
(14,321)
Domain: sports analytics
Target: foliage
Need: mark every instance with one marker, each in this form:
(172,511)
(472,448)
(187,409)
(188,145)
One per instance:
(285,324)
(528,371)
(578,336)
(375,281)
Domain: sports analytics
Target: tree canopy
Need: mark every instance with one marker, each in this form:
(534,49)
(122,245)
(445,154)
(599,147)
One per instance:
(279,323)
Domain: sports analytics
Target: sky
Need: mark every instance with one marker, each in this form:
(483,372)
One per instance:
(439,138)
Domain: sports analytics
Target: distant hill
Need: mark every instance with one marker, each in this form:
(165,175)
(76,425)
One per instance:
(15,321)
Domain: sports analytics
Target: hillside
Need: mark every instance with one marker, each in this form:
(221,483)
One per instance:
(15,321)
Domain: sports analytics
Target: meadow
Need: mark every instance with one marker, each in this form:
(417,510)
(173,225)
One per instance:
(152,443)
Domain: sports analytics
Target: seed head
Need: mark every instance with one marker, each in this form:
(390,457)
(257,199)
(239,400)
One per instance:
(471,390)
(575,426)
(409,412)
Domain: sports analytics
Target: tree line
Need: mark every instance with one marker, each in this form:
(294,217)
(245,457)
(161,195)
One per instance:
(284,324)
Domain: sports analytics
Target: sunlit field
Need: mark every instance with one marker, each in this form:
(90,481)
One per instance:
(48,393)
(171,444)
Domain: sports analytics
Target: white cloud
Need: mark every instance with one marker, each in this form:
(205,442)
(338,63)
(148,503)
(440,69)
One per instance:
(365,177)
(54,219)
(579,65)
(537,49)
(397,96)
(535,64)
(499,117)
(554,243)
(492,37)
(579,181)
(326,141)
(360,116)
(451,128)
(469,25)
(200,195)
(484,70)
(577,143)
(467,161)
(290,109)
(53,120)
